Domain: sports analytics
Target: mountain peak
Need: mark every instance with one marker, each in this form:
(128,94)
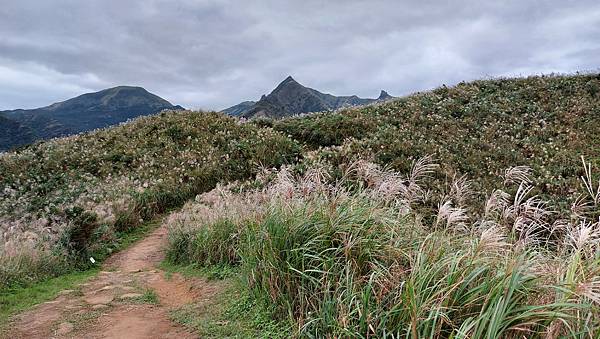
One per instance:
(290,98)
(286,87)
(289,79)
(128,88)
(125,90)
(384,95)
(287,82)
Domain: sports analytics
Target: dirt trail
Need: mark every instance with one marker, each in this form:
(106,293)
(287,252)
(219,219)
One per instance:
(114,304)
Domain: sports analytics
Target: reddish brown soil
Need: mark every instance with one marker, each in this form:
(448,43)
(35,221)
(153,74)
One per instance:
(109,305)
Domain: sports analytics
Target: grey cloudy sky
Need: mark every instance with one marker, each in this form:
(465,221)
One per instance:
(215,53)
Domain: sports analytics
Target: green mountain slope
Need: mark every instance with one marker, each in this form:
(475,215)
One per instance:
(239,109)
(13,133)
(478,128)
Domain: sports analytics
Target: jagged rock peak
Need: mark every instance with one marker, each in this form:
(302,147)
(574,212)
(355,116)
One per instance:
(288,79)
(384,95)
(290,98)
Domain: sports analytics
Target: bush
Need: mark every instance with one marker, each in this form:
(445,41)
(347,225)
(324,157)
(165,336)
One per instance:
(82,226)
(215,245)
(327,129)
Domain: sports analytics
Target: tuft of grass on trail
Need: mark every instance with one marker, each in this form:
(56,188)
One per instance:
(148,297)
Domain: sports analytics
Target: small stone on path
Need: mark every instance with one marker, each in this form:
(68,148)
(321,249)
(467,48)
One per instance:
(100,299)
(109,287)
(64,328)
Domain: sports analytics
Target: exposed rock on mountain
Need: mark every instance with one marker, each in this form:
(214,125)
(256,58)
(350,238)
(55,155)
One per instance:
(240,108)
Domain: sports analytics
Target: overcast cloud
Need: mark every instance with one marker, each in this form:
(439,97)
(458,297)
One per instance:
(213,54)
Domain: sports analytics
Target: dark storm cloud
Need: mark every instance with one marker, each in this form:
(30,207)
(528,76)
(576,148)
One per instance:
(212,54)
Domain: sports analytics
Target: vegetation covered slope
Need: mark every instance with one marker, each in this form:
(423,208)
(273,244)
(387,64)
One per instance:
(477,128)
(349,248)
(70,196)
(407,248)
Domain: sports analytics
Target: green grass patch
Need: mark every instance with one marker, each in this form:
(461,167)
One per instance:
(15,300)
(232,314)
(235,315)
(148,297)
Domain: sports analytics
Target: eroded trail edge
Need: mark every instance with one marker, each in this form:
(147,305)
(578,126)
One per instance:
(130,298)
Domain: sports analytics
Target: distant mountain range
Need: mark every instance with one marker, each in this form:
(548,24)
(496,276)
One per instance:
(115,105)
(83,113)
(291,98)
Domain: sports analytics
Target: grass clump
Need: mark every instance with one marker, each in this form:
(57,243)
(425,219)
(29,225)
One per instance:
(148,297)
(365,257)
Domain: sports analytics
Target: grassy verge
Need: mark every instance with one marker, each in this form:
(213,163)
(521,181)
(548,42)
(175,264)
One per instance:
(148,297)
(233,313)
(17,299)
(364,262)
